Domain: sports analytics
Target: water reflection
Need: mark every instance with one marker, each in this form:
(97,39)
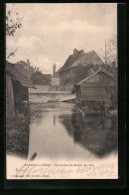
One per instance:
(96,133)
(57,130)
(54,120)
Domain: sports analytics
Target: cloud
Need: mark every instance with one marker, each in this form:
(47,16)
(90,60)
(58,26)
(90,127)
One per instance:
(29,43)
(47,64)
(25,42)
(51,31)
(30,48)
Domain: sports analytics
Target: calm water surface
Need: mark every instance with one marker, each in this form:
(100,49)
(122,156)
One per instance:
(58,131)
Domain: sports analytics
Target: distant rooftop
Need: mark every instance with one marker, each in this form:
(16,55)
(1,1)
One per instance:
(18,76)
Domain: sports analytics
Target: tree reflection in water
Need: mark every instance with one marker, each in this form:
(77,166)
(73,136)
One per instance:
(96,133)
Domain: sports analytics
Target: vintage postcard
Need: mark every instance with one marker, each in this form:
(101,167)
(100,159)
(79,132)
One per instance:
(61,91)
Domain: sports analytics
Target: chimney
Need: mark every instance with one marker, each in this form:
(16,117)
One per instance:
(54,69)
(28,64)
(75,51)
(38,69)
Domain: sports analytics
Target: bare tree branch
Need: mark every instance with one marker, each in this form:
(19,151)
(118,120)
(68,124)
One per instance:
(12,53)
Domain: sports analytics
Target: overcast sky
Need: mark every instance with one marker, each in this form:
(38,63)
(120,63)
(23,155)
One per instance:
(50,32)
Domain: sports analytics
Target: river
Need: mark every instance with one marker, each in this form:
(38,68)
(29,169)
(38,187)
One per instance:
(59,141)
(58,131)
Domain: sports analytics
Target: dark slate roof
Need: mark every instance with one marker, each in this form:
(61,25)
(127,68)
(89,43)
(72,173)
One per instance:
(71,59)
(88,58)
(17,75)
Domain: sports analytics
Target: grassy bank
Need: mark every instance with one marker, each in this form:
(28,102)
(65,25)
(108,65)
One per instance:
(17,136)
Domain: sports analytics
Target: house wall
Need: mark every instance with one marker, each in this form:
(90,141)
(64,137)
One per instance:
(73,75)
(81,72)
(63,78)
(10,112)
(55,81)
(94,93)
(20,94)
(95,78)
(105,79)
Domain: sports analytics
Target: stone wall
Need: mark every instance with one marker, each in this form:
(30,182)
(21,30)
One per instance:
(49,88)
(50,97)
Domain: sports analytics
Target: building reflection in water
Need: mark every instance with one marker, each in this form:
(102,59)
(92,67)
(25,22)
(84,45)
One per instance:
(54,120)
(98,134)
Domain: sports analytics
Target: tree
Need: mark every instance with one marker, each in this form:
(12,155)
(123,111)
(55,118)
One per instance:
(109,53)
(41,79)
(13,22)
(37,78)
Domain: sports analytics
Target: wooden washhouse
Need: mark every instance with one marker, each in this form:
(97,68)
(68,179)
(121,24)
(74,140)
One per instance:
(97,92)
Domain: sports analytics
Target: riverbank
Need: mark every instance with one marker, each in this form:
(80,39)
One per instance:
(17,136)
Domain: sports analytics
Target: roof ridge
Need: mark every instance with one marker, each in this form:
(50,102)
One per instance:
(72,58)
(85,57)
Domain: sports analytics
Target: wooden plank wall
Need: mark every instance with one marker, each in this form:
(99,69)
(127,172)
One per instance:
(10,111)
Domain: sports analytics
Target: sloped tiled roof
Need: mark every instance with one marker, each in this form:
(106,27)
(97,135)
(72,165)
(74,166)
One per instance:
(88,58)
(22,69)
(17,75)
(71,59)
